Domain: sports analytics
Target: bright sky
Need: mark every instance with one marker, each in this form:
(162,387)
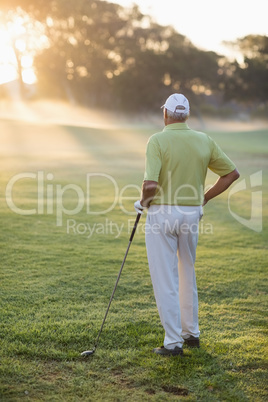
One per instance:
(208,22)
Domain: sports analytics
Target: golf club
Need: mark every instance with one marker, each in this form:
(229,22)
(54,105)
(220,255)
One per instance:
(91,352)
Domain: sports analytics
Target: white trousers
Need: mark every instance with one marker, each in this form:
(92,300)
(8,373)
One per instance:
(171,240)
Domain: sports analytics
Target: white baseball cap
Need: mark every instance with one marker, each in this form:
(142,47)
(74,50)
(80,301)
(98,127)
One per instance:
(177,103)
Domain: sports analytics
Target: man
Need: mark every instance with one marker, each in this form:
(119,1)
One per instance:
(177,160)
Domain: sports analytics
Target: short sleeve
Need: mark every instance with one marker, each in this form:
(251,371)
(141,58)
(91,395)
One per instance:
(219,162)
(153,161)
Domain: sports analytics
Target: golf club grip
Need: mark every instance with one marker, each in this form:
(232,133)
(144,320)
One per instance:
(135,227)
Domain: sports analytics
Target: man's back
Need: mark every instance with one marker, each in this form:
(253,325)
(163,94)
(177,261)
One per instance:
(178,159)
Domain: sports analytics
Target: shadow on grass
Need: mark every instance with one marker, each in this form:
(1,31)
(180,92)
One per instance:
(124,362)
(196,375)
(129,359)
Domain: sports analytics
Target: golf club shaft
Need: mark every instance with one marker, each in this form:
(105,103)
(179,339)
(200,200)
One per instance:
(118,277)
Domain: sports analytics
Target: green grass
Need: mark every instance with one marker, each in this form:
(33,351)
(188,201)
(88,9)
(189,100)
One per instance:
(55,285)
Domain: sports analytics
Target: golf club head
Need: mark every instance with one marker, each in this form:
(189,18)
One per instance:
(87,353)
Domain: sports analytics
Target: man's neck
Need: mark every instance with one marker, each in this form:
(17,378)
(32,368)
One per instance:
(168,121)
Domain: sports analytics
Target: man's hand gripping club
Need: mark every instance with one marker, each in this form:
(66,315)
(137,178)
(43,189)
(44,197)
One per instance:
(148,192)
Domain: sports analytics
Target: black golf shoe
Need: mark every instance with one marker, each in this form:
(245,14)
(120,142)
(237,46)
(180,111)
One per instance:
(168,352)
(192,342)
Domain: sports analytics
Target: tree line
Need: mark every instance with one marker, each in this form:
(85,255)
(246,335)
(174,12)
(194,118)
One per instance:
(100,54)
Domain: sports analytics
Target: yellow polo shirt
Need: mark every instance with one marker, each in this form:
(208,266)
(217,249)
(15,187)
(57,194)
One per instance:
(178,158)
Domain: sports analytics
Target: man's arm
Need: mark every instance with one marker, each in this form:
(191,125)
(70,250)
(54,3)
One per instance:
(148,192)
(221,185)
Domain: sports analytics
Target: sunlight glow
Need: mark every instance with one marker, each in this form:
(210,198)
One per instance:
(7,73)
(20,39)
(20,45)
(29,76)
(26,61)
